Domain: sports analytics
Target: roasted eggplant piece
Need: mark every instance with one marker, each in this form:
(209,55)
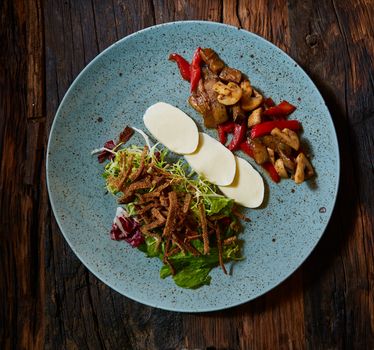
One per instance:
(204,100)
(211,58)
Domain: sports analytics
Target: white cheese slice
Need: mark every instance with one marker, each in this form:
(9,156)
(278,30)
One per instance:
(172,127)
(247,188)
(213,161)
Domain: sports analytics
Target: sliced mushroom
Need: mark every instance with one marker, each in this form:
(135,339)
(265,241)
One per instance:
(228,94)
(287,161)
(287,150)
(271,154)
(270,141)
(288,137)
(247,88)
(260,153)
(255,117)
(252,102)
(280,168)
(304,169)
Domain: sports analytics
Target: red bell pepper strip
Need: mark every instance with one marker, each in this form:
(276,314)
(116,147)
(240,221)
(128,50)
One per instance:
(222,135)
(227,126)
(268,166)
(269,102)
(246,148)
(266,127)
(280,111)
(223,129)
(240,132)
(183,65)
(195,69)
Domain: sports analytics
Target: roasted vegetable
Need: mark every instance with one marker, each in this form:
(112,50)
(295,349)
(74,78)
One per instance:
(288,137)
(228,94)
(255,117)
(212,60)
(195,69)
(260,153)
(183,65)
(281,170)
(252,102)
(238,115)
(280,111)
(231,74)
(266,127)
(304,169)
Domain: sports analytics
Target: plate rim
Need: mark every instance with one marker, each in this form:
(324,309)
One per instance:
(97,274)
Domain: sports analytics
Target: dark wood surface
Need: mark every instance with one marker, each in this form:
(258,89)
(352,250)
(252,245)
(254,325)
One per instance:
(49,299)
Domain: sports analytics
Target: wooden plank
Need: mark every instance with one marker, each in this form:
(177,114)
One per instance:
(337,50)
(23,206)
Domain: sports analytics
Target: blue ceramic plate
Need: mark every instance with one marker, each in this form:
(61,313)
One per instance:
(114,90)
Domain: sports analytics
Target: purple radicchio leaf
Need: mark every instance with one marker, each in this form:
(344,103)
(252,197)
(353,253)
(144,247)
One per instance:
(126,228)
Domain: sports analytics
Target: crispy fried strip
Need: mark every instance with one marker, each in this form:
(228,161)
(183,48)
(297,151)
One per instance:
(172,269)
(229,240)
(157,214)
(186,246)
(144,209)
(135,175)
(204,227)
(126,173)
(126,197)
(175,250)
(187,203)
(152,225)
(217,217)
(219,244)
(140,185)
(172,213)
(239,215)
(164,201)
(162,187)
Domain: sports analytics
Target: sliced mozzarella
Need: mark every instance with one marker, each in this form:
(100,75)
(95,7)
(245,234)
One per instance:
(213,161)
(247,188)
(172,127)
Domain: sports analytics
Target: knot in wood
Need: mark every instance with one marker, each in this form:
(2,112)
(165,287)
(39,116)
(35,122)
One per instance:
(312,39)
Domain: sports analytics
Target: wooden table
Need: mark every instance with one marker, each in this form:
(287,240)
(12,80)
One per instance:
(49,299)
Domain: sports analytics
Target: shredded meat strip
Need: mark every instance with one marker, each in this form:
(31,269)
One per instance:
(204,227)
(219,245)
(134,176)
(172,213)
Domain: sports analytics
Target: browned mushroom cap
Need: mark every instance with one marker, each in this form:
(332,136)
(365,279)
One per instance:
(288,137)
(252,102)
(280,168)
(304,169)
(260,153)
(255,117)
(227,94)
(287,161)
(271,154)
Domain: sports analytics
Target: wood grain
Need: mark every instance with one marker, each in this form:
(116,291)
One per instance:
(50,300)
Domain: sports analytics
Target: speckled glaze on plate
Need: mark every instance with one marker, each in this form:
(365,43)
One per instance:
(114,90)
